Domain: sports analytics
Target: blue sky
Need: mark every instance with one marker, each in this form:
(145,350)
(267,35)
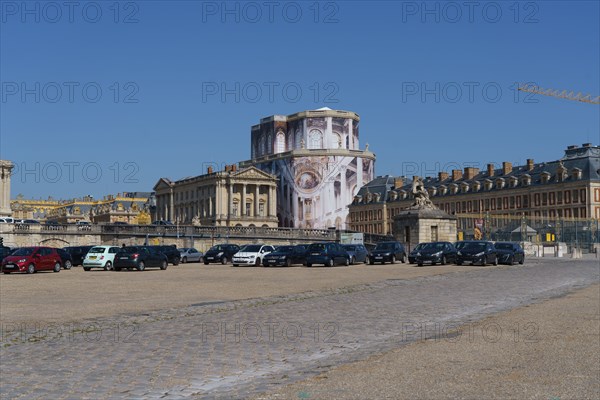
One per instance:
(433,84)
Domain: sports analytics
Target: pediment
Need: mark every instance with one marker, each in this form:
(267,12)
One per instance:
(252,173)
(163,183)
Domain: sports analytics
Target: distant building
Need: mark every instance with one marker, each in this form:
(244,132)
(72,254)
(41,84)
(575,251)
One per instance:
(317,157)
(5,172)
(129,207)
(232,197)
(564,188)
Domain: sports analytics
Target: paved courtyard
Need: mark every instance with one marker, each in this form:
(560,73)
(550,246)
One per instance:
(239,348)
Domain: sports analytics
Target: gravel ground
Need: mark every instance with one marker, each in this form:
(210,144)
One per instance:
(75,294)
(549,351)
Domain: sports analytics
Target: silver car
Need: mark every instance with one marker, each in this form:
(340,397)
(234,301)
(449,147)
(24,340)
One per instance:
(189,254)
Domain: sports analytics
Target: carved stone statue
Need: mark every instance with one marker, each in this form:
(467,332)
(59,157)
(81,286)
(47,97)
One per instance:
(421,195)
(302,144)
(196,221)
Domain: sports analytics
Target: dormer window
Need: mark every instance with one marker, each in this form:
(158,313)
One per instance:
(432,191)
(500,182)
(545,177)
(526,180)
(403,194)
(476,186)
(513,181)
(464,187)
(443,189)
(357,199)
(453,188)
(488,184)
(576,173)
(393,195)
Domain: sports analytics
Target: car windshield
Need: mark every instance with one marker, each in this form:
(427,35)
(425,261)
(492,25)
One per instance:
(97,250)
(217,248)
(474,246)
(317,247)
(384,246)
(434,246)
(504,246)
(183,249)
(251,248)
(25,251)
(350,247)
(420,246)
(130,249)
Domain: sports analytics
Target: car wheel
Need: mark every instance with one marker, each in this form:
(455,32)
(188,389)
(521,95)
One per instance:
(257,262)
(393,259)
(57,267)
(308,265)
(420,264)
(371,262)
(184,260)
(205,262)
(404,259)
(329,263)
(511,260)
(224,260)
(522,260)
(68,264)
(176,261)
(347,261)
(353,260)
(496,260)
(163,266)
(443,260)
(141,266)
(288,262)
(86,268)
(107,266)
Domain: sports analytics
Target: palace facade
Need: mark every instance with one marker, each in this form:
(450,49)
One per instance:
(561,189)
(233,197)
(317,157)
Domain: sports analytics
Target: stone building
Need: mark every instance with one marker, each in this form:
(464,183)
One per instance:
(5,172)
(316,155)
(244,197)
(560,189)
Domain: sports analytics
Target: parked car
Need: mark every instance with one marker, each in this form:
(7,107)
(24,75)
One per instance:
(7,220)
(140,258)
(221,253)
(5,251)
(286,256)
(388,251)
(189,254)
(412,256)
(32,259)
(77,253)
(436,252)
(357,252)
(328,254)
(66,259)
(509,253)
(476,252)
(251,254)
(100,257)
(171,252)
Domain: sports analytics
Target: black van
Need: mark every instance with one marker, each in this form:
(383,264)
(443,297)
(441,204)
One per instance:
(77,253)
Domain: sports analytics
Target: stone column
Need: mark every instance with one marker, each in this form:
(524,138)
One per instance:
(343,188)
(272,212)
(230,202)
(359,175)
(295,216)
(171,205)
(256,199)
(243,202)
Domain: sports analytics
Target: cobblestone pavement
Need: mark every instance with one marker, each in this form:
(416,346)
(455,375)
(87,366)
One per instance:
(240,348)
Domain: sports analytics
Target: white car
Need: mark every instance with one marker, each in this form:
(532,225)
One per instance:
(189,254)
(100,257)
(251,254)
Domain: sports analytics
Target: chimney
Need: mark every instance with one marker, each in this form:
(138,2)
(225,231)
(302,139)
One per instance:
(490,169)
(571,147)
(586,145)
(470,172)
(398,182)
(456,174)
(506,168)
(233,167)
(209,170)
(442,176)
(530,164)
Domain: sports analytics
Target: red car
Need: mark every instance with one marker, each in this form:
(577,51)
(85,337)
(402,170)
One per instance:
(32,259)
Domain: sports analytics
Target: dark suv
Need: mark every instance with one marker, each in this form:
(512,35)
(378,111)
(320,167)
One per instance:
(388,251)
(220,253)
(77,253)
(139,257)
(66,258)
(328,254)
(173,255)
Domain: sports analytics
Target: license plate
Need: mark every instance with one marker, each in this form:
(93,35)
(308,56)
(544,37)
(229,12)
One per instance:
(210,258)
(124,258)
(272,261)
(378,257)
(92,257)
(315,254)
(10,266)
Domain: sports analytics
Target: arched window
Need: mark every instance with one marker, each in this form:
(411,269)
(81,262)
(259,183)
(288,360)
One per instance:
(261,146)
(269,143)
(298,141)
(280,143)
(315,139)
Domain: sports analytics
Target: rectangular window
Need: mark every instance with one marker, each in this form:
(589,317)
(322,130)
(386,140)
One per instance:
(362,216)
(582,196)
(526,201)
(567,197)
(512,201)
(499,203)
(575,196)
(261,209)
(544,199)
(493,204)
(248,208)
(559,197)
(434,233)
(519,205)
(582,212)
(551,197)
(458,206)
(371,215)
(536,199)
(487,204)
(576,212)
(380,214)
(235,209)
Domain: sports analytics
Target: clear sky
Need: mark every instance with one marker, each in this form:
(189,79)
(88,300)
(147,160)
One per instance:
(105,97)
